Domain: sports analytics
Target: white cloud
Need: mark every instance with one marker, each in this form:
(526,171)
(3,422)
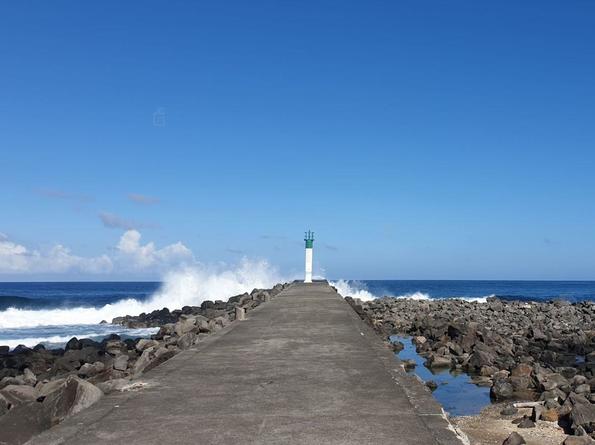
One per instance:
(16,258)
(130,254)
(147,256)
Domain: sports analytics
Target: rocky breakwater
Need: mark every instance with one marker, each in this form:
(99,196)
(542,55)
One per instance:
(543,352)
(40,387)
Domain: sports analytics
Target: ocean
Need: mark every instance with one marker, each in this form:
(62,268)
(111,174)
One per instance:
(52,313)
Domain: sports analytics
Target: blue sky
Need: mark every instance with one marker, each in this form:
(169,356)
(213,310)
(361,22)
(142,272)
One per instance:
(434,139)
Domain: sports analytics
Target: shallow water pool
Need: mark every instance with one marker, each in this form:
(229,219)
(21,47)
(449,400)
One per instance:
(456,392)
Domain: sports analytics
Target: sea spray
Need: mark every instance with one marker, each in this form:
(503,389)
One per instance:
(187,286)
(359,289)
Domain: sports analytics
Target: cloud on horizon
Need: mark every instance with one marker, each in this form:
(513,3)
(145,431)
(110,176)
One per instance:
(128,255)
(142,199)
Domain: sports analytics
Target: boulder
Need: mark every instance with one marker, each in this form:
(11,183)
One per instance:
(71,397)
(184,326)
(582,412)
(186,340)
(145,343)
(509,411)
(501,389)
(73,344)
(29,378)
(514,439)
(4,405)
(526,423)
(19,394)
(114,385)
(550,415)
(578,440)
(121,362)
(23,422)
(90,369)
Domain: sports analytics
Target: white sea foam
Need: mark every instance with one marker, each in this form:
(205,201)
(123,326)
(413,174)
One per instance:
(354,289)
(187,286)
(357,289)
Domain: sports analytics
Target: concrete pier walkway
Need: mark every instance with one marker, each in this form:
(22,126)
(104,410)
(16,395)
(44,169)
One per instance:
(301,369)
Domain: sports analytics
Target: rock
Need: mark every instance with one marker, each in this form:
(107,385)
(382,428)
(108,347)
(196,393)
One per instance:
(184,326)
(509,411)
(90,369)
(29,378)
(71,397)
(501,389)
(397,346)
(583,411)
(4,350)
(73,344)
(22,422)
(19,394)
(550,415)
(526,423)
(536,413)
(4,405)
(583,389)
(409,364)
(432,385)
(521,370)
(50,387)
(578,440)
(186,340)
(145,343)
(114,385)
(438,361)
(121,362)
(115,347)
(143,361)
(514,439)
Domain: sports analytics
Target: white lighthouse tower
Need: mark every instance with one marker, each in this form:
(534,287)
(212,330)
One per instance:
(309,239)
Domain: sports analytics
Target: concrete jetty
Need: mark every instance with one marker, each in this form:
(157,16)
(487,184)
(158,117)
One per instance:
(300,369)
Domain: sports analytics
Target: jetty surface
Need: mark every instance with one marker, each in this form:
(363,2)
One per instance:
(301,369)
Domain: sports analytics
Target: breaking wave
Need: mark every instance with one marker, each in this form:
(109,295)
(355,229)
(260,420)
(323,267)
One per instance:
(357,289)
(189,286)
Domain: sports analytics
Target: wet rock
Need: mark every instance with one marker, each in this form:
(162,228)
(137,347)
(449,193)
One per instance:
(432,385)
(398,346)
(409,364)
(514,439)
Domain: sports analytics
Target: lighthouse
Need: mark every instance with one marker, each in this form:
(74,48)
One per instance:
(309,239)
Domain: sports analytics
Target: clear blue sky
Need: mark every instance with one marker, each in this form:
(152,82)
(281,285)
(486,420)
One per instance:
(432,139)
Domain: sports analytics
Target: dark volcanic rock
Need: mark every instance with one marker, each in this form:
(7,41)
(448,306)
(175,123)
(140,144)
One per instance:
(514,439)
(524,350)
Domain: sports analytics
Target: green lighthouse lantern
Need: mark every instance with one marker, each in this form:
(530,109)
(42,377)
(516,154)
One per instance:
(309,239)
